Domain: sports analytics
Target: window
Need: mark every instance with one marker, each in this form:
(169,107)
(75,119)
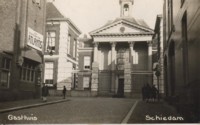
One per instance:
(37,2)
(28,71)
(74,48)
(170,16)
(50,41)
(68,44)
(86,82)
(5,73)
(48,73)
(182,2)
(126,9)
(87,62)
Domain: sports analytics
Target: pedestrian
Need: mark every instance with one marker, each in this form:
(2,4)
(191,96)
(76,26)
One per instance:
(64,92)
(144,92)
(148,93)
(45,92)
(154,93)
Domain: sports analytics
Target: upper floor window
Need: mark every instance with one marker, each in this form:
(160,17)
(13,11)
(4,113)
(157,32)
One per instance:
(182,2)
(74,48)
(68,44)
(87,62)
(38,2)
(50,41)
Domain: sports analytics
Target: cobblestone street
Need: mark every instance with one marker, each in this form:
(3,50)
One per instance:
(77,110)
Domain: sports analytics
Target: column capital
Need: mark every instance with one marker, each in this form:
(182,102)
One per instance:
(113,44)
(149,43)
(131,44)
(96,44)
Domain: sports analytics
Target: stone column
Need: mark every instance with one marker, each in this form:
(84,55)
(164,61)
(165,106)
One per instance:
(149,55)
(95,78)
(131,45)
(95,58)
(113,65)
(127,79)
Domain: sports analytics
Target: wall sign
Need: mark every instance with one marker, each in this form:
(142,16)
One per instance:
(34,39)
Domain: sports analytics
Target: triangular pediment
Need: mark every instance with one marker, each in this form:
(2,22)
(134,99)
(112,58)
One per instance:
(122,26)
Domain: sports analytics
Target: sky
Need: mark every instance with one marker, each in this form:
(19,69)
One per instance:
(89,15)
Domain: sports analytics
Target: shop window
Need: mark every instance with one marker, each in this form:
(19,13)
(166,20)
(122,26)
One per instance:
(28,71)
(48,73)
(86,62)
(5,73)
(51,41)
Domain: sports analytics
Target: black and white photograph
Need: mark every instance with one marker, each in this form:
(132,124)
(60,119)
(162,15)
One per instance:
(99,62)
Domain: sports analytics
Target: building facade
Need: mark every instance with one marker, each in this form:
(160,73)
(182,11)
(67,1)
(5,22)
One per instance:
(21,51)
(158,71)
(121,61)
(61,56)
(181,56)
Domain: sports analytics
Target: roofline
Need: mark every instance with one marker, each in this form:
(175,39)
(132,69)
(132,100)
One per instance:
(104,27)
(65,19)
(124,34)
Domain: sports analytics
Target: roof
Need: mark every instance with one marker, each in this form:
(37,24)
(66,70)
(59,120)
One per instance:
(52,11)
(140,24)
(53,14)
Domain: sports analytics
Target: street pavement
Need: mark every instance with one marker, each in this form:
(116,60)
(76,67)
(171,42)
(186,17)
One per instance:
(97,110)
(76,110)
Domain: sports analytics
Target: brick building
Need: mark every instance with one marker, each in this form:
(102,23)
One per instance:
(61,56)
(21,51)
(118,60)
(181,56)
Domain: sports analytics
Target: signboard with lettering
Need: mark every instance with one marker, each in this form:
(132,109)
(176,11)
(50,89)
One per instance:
(34,39)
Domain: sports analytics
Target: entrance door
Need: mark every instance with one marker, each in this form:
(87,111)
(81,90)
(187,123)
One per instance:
(120,91)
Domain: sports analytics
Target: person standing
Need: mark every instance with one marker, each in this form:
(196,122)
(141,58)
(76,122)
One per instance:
(45,92)
(64,92)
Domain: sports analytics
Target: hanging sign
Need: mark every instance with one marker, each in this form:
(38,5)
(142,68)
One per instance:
(34,39)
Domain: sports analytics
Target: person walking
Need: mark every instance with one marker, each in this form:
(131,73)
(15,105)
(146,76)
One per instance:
(64,92)
(144,95)
(148,92)
(154,93)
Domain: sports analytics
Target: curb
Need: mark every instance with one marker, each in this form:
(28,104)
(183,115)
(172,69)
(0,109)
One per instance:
(31,106)
(125,120)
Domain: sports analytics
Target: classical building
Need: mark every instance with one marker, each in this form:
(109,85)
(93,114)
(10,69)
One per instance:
(118,60)
(61,56)
(181,56)
(21,48)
